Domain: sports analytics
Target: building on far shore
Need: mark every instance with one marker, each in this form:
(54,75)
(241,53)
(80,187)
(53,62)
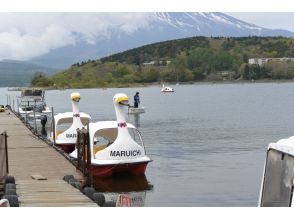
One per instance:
(262,61)
(157,63)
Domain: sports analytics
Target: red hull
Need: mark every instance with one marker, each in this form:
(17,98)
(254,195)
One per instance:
(109,170)
(67,148)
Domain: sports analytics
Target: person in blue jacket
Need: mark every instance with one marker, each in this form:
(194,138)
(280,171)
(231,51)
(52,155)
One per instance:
(136,100)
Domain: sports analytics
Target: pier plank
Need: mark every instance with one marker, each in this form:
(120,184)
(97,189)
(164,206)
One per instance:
(30,156)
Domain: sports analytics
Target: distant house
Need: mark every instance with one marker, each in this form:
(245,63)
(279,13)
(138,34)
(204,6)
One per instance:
(151,63)
(157,63)
(262,61)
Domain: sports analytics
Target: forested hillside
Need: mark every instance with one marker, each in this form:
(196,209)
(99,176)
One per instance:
(183,60)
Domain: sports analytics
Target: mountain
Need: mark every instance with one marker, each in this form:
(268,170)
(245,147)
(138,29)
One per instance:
(18,73)
(160,27)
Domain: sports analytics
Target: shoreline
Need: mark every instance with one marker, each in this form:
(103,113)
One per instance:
(138,85)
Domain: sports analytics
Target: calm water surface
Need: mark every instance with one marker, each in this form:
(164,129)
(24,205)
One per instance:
(208,142)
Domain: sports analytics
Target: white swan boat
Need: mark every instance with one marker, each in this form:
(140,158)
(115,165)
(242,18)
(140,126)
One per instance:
(66,125)
(166,89)
(278,176)
(113,149)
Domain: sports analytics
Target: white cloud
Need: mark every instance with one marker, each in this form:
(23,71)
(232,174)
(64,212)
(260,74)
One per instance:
(29,34)
(26,35)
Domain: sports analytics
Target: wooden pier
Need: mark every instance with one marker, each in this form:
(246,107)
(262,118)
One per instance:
(28,155)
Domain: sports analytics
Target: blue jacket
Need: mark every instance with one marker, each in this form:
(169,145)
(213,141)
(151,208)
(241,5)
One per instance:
(136,99)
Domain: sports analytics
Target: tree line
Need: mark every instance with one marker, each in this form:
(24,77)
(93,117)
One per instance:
(182,60)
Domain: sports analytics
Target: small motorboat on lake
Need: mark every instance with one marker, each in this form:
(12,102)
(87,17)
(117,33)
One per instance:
(278,175)
(113,149)
(32,104)
(166,89)
(66,125)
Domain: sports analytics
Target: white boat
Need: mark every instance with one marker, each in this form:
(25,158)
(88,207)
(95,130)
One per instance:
(278,175)
(166,89)
(113,149)
(32,104)
(66,125)
(133,110)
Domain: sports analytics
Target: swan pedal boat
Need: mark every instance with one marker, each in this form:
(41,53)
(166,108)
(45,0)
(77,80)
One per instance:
(66,125)
(113,149)
(278,175)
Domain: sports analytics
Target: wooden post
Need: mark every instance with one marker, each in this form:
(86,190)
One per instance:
(6,151)
(78,149)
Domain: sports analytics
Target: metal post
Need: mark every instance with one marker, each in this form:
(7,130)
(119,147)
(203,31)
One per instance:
(17,106)
(35,119)
(26,112)
(53,124)
(13,104)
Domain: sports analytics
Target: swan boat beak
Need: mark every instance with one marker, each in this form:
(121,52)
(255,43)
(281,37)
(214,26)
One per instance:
(75,97)
(122,100)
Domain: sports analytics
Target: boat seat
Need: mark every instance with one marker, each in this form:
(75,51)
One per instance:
(98,148)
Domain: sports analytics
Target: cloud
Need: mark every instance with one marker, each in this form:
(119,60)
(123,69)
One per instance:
(27,35)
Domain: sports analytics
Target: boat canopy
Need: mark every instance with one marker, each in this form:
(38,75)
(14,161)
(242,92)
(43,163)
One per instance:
(33,92)
(67,118)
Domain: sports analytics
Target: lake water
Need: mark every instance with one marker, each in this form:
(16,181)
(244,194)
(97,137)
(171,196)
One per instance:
(208,142)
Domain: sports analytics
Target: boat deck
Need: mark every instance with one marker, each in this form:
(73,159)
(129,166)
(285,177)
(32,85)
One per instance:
(27,156)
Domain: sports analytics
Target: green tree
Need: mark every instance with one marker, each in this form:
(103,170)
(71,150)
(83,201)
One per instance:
(223,61)
(41,80)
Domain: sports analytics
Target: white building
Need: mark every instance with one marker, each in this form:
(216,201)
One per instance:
(262,61)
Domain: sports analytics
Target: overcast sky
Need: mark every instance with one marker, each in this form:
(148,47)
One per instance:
(274,20)
(26,35)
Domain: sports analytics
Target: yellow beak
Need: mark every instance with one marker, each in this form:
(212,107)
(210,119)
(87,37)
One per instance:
(122,100)
(75,97)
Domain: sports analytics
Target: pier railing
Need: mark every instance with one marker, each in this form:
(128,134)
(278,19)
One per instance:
(3,155)
(84,154)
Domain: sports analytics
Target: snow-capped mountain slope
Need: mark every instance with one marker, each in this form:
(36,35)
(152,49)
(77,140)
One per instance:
(155,27)
(213,24)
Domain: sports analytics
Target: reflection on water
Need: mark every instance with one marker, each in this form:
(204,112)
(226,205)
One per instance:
(135,119)
(123,187)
